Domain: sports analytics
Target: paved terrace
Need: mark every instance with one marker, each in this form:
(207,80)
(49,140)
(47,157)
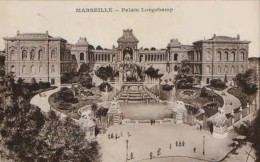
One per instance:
(148,138)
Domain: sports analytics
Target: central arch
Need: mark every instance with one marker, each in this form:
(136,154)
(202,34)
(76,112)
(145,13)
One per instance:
(128,54)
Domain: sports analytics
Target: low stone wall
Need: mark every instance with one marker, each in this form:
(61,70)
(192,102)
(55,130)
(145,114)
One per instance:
(163,121)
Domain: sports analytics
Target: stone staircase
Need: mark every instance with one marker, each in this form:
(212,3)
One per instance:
(136,93)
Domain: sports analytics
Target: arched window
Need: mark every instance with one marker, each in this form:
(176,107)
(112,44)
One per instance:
(40,68)
(102,57)
(52,69)
(141,58)
(12,68)
(208,56)
(32,54)
(23,69)
(242,69)
(108,56)
(225,58)
(218,56)
(208,69)
(232,56)
(226,69)
(232,70)
(81,56)
(242,56)
(160,57)
(175,57)
(219,70)
(32,69)
(53,54)
(175,68)
(98,57)
(12,55)
(105,57)
(24,55)
(40,54)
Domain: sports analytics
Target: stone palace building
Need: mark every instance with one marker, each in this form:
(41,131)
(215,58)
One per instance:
(46,58)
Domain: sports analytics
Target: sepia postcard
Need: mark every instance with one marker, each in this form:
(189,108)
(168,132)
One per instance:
(130,81)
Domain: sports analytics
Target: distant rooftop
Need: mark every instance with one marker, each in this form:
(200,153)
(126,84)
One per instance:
(33,36)
(216,38)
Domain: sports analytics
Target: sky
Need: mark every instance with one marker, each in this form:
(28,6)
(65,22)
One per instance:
(189,21)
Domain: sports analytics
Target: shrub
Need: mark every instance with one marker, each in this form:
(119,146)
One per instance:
(103,86)
(33,87)
(65,106)
(65,94)
(44,85)
(184,84)
(167,87)
(204,92)
(217,83)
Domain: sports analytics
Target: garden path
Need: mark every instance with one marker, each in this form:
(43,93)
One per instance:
(228,99)
(42,101)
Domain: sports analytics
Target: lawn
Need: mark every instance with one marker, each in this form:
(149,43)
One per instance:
(82,101)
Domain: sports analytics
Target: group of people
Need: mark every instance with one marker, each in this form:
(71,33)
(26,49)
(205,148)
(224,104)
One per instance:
(158,153)
(42,94)
(152,122)
(179,143)
(228,103)
(116,136)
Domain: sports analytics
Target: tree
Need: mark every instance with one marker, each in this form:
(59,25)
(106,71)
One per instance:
(99,48)
(153,49)
(153,73)
(246,81)
(64,139)
(105,72)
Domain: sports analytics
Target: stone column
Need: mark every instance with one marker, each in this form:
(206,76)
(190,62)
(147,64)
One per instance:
(232,117)
(241,111)
(248,108)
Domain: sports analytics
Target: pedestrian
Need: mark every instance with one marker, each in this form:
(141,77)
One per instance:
(200,127)
(159,152)
(131,155)
(170,146)
(179,143)
(108,135)
(176,143)
(183,143)
(194,150)
(151,155)
(112,136)
(151,122)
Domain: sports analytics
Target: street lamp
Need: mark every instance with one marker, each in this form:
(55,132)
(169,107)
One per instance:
(203,145)
(127,150)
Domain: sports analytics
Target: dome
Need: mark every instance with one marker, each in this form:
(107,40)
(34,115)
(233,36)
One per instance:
(82,42)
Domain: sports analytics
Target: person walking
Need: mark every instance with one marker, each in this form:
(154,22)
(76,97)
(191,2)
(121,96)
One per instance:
(159,152)
(183,143)
(194,150)
(179,143)
(131,156)
(170,146)
(176,143)
(151,155)
(108,135)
